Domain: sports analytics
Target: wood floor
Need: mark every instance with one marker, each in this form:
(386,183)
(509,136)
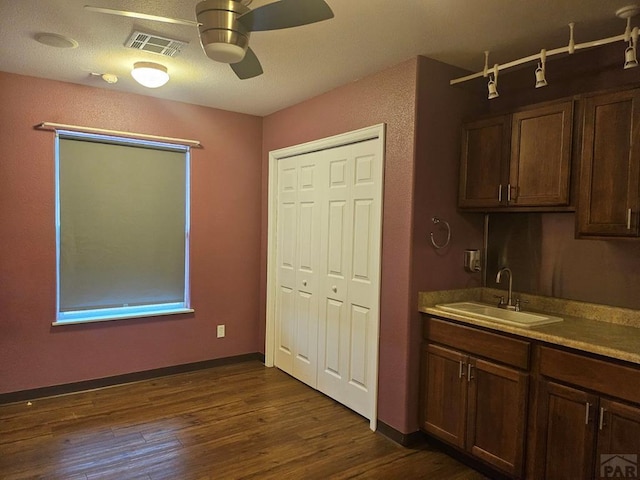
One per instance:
(234,421)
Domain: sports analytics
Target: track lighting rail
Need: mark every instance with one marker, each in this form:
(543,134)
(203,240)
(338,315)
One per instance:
(629,35)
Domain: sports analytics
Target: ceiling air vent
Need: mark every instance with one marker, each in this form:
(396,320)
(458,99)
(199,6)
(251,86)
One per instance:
(153,43)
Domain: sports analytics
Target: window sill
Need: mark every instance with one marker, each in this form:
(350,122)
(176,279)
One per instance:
(158,313)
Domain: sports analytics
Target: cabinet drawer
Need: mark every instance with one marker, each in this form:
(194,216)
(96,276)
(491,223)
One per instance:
(478,342)
(604,377)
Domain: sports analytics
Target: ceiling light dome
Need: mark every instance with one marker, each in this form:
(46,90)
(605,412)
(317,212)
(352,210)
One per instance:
(149,74)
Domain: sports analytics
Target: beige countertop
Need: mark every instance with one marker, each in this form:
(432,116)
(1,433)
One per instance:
(609,331)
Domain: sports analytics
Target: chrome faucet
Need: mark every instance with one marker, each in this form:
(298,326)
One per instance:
(509,305)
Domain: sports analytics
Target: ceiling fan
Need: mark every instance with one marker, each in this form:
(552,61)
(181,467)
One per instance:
(225,26)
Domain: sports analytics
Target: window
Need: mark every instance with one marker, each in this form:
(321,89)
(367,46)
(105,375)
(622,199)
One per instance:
(122,228)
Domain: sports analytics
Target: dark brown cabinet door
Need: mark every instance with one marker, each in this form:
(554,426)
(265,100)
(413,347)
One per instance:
(497,415)
(569,417)
(540,163)
(618,438)
(444,394)
(610,165)
(484,163)
(475,405)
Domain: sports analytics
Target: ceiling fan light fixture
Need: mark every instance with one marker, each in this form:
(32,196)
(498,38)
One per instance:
(225,27)
(149,74)
(223,38)
(224,52)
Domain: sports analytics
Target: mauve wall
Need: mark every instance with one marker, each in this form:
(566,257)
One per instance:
(441,110)
(225,237)
(423,115)
(547,259)
(386,97)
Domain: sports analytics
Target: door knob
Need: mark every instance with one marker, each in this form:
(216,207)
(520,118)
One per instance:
(334,289)
(304,283)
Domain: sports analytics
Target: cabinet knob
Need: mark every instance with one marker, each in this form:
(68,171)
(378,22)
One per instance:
(304,283)
(334,289)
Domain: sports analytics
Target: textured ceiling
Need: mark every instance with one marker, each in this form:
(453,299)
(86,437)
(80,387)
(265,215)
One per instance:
(364,37)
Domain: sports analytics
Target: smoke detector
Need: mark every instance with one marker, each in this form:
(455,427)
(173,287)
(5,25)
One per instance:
(109,77)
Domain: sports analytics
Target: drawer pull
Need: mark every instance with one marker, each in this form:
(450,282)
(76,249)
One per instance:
(586,413)
(601,423)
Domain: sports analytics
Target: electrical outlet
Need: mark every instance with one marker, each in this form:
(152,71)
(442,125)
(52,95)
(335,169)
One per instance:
(220,331)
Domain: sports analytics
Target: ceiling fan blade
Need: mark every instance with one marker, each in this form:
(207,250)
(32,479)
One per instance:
(248,67)
(141,16)
(285,14)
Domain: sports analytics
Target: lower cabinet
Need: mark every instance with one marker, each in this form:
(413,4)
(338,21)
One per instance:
(585,433)
(445,394)
(495,396)
(618,432)
(475,404)
(569,434)
(497,414)
(588,436)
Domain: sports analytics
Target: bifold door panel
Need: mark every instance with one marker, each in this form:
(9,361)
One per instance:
(328,263)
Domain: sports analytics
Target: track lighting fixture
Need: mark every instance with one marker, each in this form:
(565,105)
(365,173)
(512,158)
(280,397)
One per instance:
(492,86)
(630,59)
(541,81)
(630,36)
(493,89)
(630,54)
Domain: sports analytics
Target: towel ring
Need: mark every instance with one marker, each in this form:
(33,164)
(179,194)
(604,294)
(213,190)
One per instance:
(436,221)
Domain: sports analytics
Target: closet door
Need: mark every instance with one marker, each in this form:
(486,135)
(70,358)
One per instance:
(327,270)
(298,261)
(350,269)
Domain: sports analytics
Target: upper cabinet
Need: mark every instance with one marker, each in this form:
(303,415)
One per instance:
(610,166)
(519,160)
(484,163)
(540,163)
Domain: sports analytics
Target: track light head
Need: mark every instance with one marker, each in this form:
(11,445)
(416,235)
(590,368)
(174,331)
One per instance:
(630,59)
(492,86)
(541,81)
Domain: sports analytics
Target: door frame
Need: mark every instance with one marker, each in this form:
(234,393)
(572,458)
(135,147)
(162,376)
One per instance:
(374,132)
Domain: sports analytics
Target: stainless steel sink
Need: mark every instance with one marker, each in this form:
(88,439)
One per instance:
(495,314)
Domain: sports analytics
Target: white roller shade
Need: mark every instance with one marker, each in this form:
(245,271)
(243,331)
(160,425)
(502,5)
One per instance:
(123,231)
